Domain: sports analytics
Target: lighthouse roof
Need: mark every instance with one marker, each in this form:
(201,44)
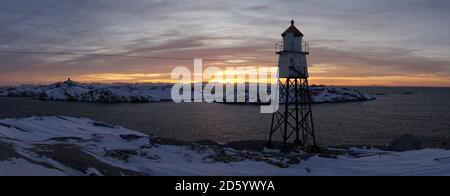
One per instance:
(292,29)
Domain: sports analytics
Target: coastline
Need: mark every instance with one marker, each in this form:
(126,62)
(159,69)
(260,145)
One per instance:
(39,146)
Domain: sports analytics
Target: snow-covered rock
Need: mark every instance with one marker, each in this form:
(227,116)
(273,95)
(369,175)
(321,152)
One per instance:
(74,91)
(55,145)
(322,94)
(404,143)
(118,93)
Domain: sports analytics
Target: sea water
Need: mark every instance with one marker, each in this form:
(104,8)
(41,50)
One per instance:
(424,112)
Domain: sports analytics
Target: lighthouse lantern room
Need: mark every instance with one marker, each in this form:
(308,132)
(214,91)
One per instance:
(292,53)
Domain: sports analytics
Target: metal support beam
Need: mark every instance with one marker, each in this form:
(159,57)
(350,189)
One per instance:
(296,115)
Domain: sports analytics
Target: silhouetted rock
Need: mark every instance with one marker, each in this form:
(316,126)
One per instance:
(404,143)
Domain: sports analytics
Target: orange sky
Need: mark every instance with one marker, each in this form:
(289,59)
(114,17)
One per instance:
(317,77)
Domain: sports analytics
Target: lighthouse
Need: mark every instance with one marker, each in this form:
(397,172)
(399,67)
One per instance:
(292,51)
(294,120)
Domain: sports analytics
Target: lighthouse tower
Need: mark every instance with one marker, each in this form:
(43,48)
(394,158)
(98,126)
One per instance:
(294,119)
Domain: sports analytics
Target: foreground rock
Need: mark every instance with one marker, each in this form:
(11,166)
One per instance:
(77,146)
(404,143)
(121,93)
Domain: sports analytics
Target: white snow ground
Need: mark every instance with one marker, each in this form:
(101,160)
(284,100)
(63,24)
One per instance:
(74,91)
(77,146)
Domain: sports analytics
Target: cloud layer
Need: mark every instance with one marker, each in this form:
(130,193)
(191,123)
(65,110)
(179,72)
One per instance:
(350,39)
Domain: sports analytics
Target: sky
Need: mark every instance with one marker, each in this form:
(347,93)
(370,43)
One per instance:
(353,42)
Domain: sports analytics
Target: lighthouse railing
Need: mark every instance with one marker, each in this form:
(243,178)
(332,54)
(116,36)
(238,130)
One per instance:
(279,48)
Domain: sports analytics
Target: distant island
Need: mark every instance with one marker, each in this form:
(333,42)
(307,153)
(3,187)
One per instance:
(145,93)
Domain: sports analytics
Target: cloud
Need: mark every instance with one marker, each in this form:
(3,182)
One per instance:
(351,38)
(380,61)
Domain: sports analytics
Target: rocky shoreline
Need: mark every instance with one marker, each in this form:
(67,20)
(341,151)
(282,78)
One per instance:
(61,145)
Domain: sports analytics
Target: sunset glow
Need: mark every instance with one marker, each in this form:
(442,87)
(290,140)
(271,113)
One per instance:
(242,90)
(231,77)
(354,43)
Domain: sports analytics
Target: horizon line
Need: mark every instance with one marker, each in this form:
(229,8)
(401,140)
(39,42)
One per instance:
(224,83)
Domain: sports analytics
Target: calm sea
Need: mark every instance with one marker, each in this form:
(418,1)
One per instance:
(424,112)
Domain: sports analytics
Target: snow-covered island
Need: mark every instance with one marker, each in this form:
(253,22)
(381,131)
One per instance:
(120,93)
(107,93)
(60,145)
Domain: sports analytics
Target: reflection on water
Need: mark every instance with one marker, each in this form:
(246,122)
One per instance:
(420,111)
